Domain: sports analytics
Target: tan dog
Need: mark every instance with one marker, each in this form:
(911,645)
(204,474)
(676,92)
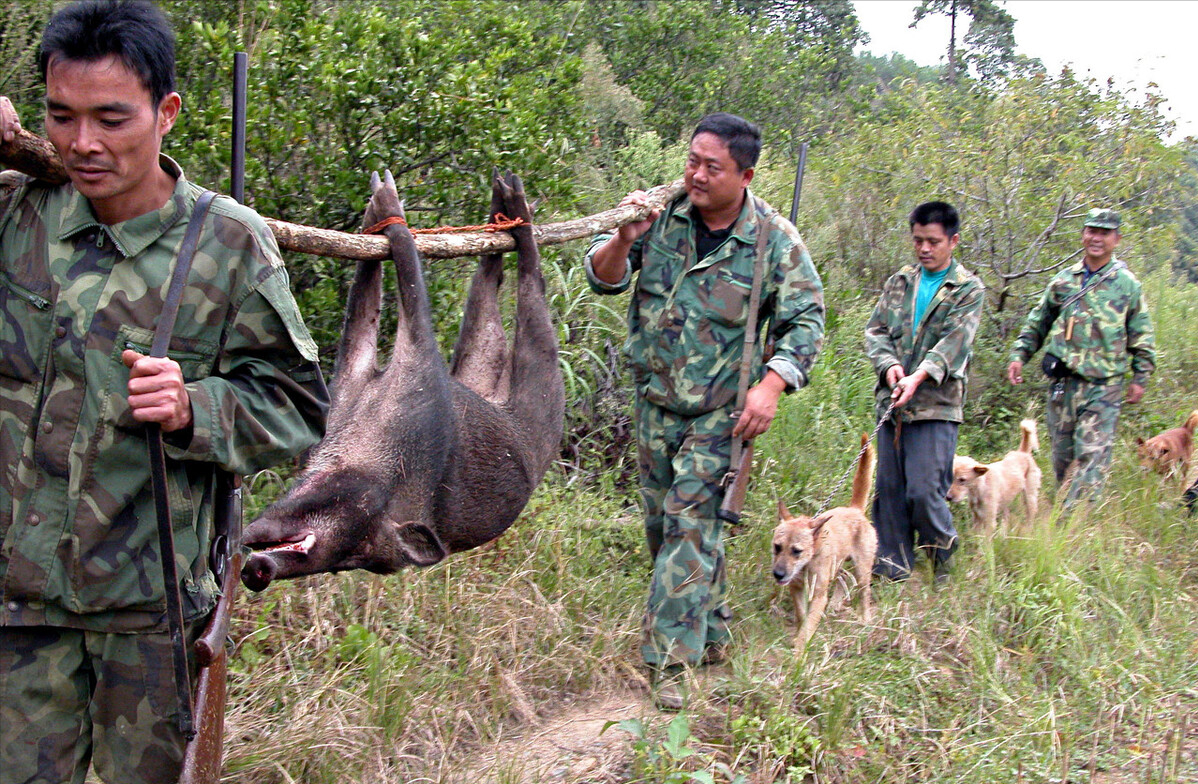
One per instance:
(809,552)
(1170,452)
(991,488)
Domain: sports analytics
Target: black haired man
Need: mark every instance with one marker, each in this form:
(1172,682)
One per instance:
(919,340)
(85,656)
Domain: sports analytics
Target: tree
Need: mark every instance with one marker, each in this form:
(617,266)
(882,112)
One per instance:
(990,41)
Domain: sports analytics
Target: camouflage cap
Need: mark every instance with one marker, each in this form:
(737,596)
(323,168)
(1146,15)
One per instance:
(1103,218)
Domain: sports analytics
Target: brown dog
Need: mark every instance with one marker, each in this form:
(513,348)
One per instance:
(809,552)
(991,488)
(1169,453)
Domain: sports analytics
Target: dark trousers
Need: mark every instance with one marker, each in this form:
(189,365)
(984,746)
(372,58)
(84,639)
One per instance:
(913,480)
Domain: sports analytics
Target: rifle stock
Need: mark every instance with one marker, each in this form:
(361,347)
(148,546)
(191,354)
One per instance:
(734,495)
(203,755)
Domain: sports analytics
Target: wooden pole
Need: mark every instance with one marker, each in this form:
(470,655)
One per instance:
(32,155)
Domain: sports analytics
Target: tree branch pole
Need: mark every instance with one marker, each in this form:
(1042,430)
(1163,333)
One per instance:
(32,155)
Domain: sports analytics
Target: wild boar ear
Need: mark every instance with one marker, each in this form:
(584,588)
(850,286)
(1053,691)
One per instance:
(419,544)
(1139,441)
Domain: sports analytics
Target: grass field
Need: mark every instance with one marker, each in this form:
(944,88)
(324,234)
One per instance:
(1065,650)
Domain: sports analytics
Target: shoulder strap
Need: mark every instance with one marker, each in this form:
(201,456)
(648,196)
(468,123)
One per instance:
(166,538)
(187,251)
(1116,265)
(750,341)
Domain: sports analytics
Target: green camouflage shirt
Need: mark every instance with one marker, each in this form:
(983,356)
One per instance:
(78,532)
(940,345)
(1112,331)
(686,319)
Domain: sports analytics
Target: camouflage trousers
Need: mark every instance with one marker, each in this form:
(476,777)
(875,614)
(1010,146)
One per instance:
(682,460)
(70,698)
(1082,416)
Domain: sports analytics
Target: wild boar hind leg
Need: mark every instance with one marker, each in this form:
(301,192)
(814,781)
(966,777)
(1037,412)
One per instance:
(480,356)
(537,398)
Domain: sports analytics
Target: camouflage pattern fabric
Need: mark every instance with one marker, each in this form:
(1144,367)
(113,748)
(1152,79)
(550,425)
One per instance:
(61,690)
(1111,329)
(682,460)
(940,345)
(1081,421)
(78,542)
(687,318)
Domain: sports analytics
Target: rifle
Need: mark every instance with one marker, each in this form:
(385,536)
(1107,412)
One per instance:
(202,757)
(736,481)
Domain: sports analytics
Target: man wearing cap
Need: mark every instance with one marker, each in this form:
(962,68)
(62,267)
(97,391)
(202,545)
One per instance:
(1093,321)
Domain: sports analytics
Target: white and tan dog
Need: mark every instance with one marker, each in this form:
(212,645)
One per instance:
(991,488)
(809,552)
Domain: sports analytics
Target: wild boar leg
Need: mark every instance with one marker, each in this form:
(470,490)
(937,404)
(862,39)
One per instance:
(480,356)
(537,404)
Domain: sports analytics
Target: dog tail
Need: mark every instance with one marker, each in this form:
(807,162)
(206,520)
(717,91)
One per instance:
(1192,422)
(1028,442)
(863,480)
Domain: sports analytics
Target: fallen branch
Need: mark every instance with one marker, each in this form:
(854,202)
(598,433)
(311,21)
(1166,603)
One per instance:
(32,155)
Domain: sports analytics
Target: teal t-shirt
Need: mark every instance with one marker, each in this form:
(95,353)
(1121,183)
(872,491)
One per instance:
(929,284)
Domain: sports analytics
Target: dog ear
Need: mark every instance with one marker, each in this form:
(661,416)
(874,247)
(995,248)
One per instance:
(817,525)
(980,469)
(783,512)
(1139,441)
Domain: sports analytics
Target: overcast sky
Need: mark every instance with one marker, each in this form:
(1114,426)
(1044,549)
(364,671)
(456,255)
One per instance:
(1134,41)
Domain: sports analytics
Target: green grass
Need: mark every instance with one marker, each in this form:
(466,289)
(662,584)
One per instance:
(1063,650)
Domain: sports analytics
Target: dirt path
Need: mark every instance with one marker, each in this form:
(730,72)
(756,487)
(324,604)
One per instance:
(565,747)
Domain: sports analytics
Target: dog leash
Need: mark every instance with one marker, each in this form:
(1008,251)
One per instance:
(853,465)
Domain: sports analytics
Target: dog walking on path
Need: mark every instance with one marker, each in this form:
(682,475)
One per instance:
(809,552)
(991,488)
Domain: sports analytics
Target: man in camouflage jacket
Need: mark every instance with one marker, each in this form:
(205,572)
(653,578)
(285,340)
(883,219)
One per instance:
(85,657)
(687,320)
(919,340)
(1093,319)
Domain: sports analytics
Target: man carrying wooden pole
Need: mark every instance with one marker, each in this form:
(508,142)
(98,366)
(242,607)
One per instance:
(86,648)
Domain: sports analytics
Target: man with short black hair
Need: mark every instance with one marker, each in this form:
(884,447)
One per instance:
(1094,323)
(919,340)
(687,323)
(85,653)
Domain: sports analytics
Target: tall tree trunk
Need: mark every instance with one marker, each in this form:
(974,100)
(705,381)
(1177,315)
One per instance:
(952,44)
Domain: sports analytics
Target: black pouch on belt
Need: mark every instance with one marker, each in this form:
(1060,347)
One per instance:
(1054,367)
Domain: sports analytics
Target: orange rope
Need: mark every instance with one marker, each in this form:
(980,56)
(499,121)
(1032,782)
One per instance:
(384,223)
(501,223)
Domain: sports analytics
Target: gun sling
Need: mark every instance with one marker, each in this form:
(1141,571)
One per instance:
(741,462)
(166,538)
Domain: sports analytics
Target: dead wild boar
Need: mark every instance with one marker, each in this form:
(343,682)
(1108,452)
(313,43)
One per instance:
(421,460)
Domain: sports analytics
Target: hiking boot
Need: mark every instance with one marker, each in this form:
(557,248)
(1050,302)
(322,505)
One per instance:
(941,573)
(716,652)
(669,688)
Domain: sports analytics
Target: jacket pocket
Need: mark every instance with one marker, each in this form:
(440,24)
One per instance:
(196,360)
(25,318)
(728,298)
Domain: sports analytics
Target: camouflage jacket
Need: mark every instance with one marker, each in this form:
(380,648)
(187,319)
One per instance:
(686,320)
(940,345)
(78,532)
(1111,333)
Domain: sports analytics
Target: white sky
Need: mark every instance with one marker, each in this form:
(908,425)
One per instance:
(1134,41)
